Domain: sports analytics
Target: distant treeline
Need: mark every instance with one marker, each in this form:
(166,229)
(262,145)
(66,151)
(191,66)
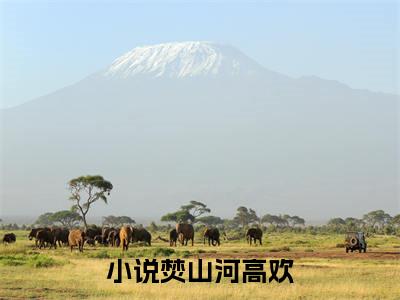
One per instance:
(198,213)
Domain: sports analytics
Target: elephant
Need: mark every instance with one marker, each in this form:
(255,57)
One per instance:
(9,238)
(255,234)
(60,235)
(125,235)
(212,234)
(104,234)
(76,238)
(45,237)
(34,231)
(173,237)
(141,235)
(92,231)
(185,233)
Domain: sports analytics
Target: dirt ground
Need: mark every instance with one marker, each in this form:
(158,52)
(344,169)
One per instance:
(337,254)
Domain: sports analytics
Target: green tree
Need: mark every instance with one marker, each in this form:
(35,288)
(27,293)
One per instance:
(114,221)
(352,224)
(296,220)
(153,226)
(196,209)
(279,221)
(45,219)
(66,218)
(210,220)
(377,218)
(187,213)
(125,220)
(336,224)
(245,216)
(178,216)
(86,190)
(396,220)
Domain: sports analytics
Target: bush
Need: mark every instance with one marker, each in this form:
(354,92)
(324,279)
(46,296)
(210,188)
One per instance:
(42,261)
(280,249)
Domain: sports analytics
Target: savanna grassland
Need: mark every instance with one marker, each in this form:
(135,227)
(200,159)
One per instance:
(321,269)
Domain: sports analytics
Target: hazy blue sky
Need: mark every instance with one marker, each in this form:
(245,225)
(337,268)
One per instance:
(48,45)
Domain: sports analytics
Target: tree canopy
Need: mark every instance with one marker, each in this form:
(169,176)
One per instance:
(115,221)
(187,213)
(244,216)
(67,218)
(377,218)
(45,219)
(210,220)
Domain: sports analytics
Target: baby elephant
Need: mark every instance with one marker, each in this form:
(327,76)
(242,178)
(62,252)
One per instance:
(173,237)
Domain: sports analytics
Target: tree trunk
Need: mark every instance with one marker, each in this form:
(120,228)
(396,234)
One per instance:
(84,221)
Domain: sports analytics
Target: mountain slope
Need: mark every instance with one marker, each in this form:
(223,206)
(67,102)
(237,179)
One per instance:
(164,136)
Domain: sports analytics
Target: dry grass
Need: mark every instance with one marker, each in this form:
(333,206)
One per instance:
(74,275)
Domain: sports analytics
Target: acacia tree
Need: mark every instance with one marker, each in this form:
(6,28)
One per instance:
(292,221)
(196,208)
(86,190)
(45,219)
(396,220)
(187,213)
(245,215)
(210,220)
(377,218)
(114,221)
(178,216)
(66,218)
(278,221)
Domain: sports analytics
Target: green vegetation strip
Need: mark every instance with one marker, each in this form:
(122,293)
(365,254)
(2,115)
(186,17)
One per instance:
(33,260)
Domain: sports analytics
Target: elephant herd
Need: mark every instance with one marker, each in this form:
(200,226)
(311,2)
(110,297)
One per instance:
(185,233)
(123,236)
(107,236)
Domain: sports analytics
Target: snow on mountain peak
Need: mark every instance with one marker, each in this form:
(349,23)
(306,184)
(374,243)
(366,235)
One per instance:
(182,59)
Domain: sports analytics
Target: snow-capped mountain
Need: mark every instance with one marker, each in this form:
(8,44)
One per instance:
(183,59)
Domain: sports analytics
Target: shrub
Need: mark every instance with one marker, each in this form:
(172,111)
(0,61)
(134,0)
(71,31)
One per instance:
(280,249)
(42,261)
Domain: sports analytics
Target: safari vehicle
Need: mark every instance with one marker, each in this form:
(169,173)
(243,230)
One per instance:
(355,241)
